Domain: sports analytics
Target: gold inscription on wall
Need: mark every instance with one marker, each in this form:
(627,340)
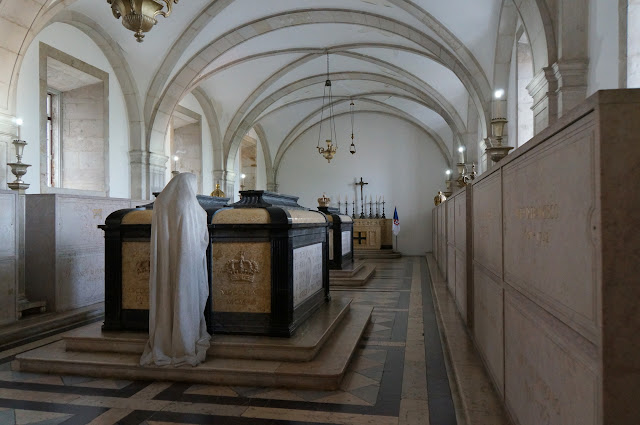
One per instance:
(241,295)
(540,212)
(135,275)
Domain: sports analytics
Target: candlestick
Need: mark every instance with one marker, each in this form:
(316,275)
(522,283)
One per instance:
(383,216)
(370,205)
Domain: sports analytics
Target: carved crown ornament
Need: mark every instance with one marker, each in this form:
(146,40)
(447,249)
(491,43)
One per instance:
(241,269)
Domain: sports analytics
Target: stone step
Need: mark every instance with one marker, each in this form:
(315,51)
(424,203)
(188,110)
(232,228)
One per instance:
(361,278)
(346,272)
(39,326)
(376,253)
(324,372)
(301,347)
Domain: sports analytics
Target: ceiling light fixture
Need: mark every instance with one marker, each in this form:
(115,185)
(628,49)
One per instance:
(139,16)
(327,97)
(352,148)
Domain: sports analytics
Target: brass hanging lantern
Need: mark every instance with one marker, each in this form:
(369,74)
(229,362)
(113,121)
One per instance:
(331,149)
(352,148)
(139,16)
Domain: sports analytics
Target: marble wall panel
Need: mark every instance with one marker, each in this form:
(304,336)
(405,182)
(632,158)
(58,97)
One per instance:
(460,217)
(550,371)
(451,269)
(65,249)
(487,223)
(549,210)
(307,272)
(488,322)
(451,221)
(241,277)
(80,278)
(461,282)
(346,242)
(136,269)
(8,256)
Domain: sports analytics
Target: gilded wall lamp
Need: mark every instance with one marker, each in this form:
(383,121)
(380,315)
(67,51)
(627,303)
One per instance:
(497,151)
(139,16)
(327,98)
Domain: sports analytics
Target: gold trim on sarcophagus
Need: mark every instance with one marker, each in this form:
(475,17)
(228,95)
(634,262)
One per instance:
(135,275)
(241,280)
(242,216)
(329,218)
(138,217)
(305,217)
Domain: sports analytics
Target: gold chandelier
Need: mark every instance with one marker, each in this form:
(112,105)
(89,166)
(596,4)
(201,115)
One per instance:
(327,97)
(139,16)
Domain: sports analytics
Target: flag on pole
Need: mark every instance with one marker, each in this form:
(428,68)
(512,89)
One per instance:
(396,222)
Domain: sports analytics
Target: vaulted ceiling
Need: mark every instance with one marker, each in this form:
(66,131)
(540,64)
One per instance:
(264,62)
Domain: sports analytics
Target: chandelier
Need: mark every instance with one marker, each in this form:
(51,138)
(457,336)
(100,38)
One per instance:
(139,16)
(352,148)
(327,97)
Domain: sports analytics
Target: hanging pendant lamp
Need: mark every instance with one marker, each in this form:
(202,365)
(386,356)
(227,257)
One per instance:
(352,148)
(139,16)
(327,98)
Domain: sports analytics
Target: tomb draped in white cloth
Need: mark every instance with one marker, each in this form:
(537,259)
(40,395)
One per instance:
(178,288)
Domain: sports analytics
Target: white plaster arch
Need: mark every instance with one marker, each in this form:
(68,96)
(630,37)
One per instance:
(266,153)
(214,126)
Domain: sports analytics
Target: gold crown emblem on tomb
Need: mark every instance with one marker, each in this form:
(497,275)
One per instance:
(324,201)
(241,270)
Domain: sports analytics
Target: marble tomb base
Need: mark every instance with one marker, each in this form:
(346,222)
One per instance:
(316,357)
(353,276)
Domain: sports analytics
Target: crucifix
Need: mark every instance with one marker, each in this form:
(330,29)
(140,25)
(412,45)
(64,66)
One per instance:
(361,184)
(359,238)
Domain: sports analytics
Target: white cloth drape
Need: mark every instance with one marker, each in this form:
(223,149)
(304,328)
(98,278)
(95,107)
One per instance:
(178,287)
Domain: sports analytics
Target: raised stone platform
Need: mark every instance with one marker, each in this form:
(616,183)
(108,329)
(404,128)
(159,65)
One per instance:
(357,275)
(316,357)
(376,254)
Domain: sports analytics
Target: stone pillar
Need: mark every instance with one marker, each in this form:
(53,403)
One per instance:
(471,136)
(147,173)
(229,185)
(572,83)
(138,161)
(8,131)
(543,90)
(157,172)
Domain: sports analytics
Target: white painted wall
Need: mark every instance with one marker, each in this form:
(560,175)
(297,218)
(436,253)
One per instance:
(261,170)
(396,158)
(603,46)
(75,43)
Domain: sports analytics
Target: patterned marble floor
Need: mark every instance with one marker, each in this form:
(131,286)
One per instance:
(386,382)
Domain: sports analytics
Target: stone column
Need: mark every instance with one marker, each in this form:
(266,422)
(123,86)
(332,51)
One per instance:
(138,161)
(572,83)
(543,90)
(571,67)
(229,183)
(157,172)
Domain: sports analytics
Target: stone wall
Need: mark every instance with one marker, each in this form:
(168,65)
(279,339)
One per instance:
(83,138)
(65,248)
(8,255)
(553,289)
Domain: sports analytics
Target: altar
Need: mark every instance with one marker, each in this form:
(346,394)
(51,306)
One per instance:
(372,233)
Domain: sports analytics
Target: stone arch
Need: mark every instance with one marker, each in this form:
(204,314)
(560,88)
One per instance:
(266,153)
(386,113)
(214,126)
(340,50)
(478,88)
(252,115)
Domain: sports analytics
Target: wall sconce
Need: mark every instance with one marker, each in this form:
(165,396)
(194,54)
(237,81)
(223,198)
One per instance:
(18,168)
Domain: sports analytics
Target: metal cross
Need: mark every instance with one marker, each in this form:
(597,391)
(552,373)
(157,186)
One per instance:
(361,184)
